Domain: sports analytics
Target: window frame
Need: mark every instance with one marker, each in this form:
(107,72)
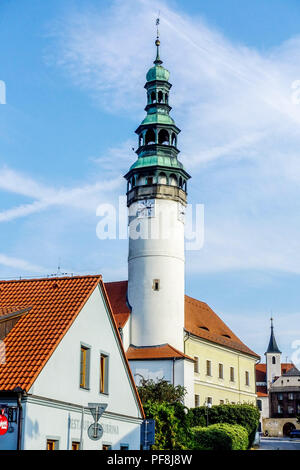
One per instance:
(208,361)
(232,374)
(88,349)
(222,369)
(196,365)
(106,372)
(53,439)
(247,378)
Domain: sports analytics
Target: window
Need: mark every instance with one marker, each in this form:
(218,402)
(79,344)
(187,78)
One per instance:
(209,400)
(52,444)
(84,366)
(273,360)
(196,365)
(156,284)
(197,401)
(259,405)
(221,371)
(124,447)
(290,396)
(290,410)
(75,445)
(106,447)
(221,402)
(280,396)
(231,374)
(104,373)
(208,368)
(247,378)
(280,409)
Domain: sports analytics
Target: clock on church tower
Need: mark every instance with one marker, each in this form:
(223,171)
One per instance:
(156,199)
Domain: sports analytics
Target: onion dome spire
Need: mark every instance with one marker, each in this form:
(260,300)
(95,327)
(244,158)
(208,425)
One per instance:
(157,61)
(272,348)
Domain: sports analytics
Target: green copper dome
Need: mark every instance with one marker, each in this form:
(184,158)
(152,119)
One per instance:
(156,160)
(157,73)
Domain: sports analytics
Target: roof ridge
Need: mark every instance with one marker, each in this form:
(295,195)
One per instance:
(52,278)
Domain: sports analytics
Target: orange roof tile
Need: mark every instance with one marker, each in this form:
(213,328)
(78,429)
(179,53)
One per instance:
(54,305)
(200,319)
(261,370)
(162,351)
(117,292)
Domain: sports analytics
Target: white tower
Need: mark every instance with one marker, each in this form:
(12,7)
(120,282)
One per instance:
(156,198)
(273,359)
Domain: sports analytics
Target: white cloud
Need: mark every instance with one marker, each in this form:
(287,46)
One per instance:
(240,124)
(85,197)
(20,264)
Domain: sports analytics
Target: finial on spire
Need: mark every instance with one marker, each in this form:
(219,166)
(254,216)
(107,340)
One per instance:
(271,322)
(157,43)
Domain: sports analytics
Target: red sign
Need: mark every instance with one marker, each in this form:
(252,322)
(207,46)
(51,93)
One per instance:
(3,425)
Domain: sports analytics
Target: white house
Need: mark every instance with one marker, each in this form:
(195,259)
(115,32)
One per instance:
(62,352)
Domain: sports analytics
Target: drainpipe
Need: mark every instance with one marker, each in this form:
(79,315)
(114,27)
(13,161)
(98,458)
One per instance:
(19,392)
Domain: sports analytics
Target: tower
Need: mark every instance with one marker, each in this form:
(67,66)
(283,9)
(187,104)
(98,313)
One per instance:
(156,199)
(273,358)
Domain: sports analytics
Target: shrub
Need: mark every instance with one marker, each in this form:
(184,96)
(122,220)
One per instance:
(246,415)
(220,436)
(170,433)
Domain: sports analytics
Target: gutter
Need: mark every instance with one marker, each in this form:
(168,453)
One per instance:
(20,393)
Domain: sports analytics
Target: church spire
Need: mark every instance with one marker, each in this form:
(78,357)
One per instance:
(157,61)
(272,348)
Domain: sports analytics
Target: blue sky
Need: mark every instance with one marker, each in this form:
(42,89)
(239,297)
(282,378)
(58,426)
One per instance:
(74,74)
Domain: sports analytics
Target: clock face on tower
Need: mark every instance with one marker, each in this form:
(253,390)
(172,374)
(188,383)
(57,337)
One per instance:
(146,208)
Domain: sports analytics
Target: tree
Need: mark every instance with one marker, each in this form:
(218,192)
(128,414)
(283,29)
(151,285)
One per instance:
(160,391)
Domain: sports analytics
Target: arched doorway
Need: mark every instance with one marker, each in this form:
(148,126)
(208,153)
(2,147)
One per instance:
(287,428)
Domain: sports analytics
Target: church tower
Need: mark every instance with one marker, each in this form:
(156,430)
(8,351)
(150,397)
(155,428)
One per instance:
(273,359)
(156,199)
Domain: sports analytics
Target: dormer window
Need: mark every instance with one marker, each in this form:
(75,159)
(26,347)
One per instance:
(8,320)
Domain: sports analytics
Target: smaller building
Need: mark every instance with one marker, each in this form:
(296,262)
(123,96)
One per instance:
(61,352)
(277,395)
(284,400)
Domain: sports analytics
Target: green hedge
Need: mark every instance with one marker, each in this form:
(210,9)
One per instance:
(220,436)
(246,415)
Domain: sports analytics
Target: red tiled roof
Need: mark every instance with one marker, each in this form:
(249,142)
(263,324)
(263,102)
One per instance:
(202,321)
(117,292)
(261,370)
(197,314)
(163,351)
(54,305)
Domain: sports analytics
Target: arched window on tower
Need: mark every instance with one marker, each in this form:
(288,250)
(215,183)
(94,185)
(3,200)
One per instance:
(166,98)
(180,182)
(141,140)
(160,96)
(153,97)
(163,137)
(273,360)
(150,137)
(173,180)
(174,140)
(162,178)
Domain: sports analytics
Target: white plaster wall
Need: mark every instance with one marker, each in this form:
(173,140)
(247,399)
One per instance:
(126,334)
(273,370)
(44,421)
(60,377)
(155,370)
(287,381)
(157,316)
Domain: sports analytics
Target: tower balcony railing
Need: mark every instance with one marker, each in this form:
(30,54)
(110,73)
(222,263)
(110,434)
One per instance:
(159,191)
